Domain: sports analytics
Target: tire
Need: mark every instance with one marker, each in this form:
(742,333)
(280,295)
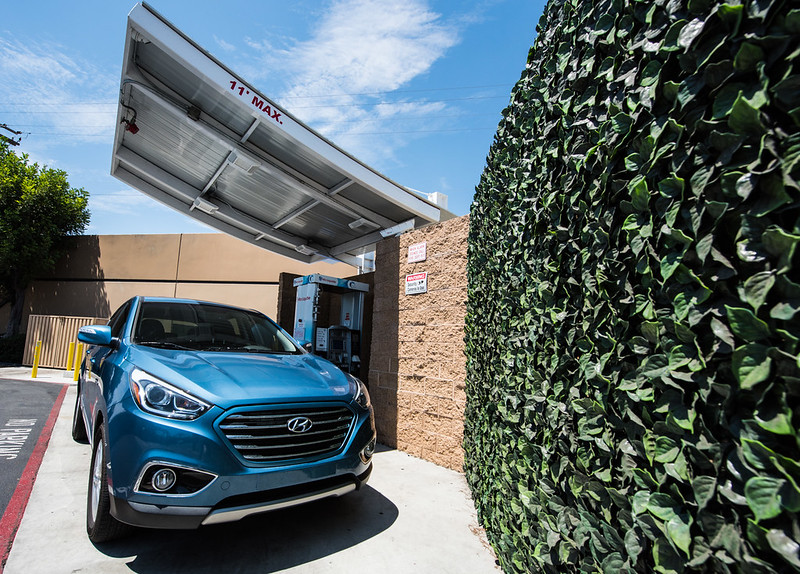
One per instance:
(78,424)
(100,525)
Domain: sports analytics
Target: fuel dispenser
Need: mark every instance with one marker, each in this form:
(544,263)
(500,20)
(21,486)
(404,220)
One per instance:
(335,337)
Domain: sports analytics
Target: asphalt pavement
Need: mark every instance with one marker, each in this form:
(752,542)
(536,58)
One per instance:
(24,412)
(412,517)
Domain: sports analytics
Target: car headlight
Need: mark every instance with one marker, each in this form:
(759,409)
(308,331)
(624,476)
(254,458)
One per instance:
(360,393)
(159,398)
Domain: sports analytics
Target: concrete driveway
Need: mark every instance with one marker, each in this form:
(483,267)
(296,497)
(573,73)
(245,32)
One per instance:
(413,516)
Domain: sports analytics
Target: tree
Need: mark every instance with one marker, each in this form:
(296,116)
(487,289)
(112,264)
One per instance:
(38,209)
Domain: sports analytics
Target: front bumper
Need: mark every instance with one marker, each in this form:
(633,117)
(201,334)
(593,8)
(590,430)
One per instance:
(233,508)
(232,487)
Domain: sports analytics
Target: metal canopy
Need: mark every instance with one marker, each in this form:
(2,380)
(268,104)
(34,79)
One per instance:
(196,137)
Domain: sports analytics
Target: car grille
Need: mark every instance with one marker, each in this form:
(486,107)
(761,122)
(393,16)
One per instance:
(264,436)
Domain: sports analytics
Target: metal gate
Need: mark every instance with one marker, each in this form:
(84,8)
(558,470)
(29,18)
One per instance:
(55,332)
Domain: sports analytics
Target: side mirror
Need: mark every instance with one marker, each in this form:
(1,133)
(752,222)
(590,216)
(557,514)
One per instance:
(95,335)
(308,346)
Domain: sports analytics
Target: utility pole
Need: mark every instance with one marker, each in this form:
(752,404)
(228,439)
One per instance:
(9,140)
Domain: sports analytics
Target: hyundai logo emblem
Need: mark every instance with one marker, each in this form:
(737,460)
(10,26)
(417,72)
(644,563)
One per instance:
(299,424)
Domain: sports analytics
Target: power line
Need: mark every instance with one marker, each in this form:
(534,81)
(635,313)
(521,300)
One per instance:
(320,96)
(339,121)
(61,112)
(507,86)
(335,133)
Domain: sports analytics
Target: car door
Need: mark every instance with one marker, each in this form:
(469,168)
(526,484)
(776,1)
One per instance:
(99,367)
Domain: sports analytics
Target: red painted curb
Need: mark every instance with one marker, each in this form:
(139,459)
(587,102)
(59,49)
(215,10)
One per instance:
(9,523)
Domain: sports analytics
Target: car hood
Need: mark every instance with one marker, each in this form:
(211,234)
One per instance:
(234,379)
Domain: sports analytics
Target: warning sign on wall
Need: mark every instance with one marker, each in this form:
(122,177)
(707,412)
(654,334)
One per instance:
(417,252)
(417,283)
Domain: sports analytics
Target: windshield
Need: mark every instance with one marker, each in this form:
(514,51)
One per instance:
(204,327)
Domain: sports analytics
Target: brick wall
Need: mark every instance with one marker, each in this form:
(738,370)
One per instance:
(417,367)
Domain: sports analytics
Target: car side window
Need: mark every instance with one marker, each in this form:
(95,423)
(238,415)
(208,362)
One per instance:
(117,321)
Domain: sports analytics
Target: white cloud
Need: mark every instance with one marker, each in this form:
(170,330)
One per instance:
(127,202)
(340,80)
(127,211)
(52,96)
(226,46)
(371,46)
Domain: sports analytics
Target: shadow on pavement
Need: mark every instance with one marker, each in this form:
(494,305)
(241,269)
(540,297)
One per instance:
(263,543)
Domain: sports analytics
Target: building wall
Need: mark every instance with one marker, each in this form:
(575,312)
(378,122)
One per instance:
(100,272)
(417,366)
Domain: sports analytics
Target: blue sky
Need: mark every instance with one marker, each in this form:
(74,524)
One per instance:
(413,88)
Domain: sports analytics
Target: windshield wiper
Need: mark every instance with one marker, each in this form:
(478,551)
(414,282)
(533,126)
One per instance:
(163,345)
(266,351)
(215,348)
(246,348)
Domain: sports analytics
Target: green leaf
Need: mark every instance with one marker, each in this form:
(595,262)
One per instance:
(678,529)
(781,543)
(788,91)
(726,98)
(649,443)
(640,196)
(689,32)
(781,244)
(704,488)
(757,287)
(670,90)
(722,332)
(748,56)
(757,454)
(670,264)
(744,185)
(751,365)
(785,311)
(774,415)
(763,496)
(667,560)
(622,123)
(612,564)
(662,506)
(650,73)
(666,449)
(792,21)
(773,195)
(746,325)
(633,544)
(655,366)
(731,14)
(651,330)
(671,187)
(604,24)
(682,417)
(634,162)
(744,118)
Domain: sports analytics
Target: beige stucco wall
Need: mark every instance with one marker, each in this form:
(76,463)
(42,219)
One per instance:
(417,369)
(100,272)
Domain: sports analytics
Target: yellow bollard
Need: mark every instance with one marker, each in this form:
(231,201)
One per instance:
(37,355)
(78,353)
(70,355)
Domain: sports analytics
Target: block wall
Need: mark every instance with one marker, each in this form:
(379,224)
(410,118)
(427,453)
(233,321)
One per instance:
(417,366)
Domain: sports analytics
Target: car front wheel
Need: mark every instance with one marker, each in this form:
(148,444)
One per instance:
(100,525)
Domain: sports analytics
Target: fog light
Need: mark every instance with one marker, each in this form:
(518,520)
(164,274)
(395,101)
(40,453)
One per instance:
(164,479)
(170,479)
(368,451)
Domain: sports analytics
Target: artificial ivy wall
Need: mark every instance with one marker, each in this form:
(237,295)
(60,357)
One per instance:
(632,331)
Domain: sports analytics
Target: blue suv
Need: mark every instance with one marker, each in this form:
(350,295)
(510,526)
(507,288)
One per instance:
(200,413)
